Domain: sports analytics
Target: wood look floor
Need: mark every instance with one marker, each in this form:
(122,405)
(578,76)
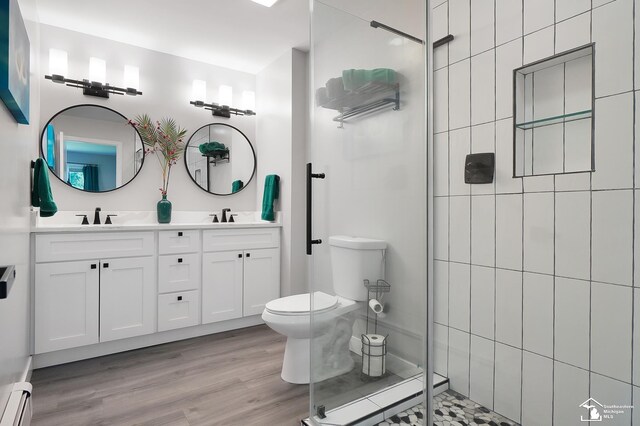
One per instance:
(230,378)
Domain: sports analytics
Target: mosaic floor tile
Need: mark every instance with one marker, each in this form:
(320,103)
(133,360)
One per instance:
(450,409)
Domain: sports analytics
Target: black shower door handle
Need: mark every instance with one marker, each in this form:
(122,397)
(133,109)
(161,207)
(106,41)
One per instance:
(310,177)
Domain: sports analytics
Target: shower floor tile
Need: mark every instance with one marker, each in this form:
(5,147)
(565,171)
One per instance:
(450,409)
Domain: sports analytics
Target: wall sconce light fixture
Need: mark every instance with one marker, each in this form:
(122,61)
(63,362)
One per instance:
(218,110)
(95,85)
(267,3)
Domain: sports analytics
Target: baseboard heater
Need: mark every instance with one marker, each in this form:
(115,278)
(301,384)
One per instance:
(18,411)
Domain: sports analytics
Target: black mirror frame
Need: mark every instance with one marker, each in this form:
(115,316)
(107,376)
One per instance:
(253,151)
(44,129)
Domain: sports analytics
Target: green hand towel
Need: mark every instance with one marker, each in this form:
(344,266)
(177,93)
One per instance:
(209,148)
(355,79)
(41,193)
(236,186)
(271,194)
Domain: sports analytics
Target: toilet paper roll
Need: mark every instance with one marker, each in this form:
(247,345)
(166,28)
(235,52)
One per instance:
(376,306)
(373,355)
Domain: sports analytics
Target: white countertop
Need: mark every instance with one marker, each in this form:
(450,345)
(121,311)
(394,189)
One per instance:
(67,221)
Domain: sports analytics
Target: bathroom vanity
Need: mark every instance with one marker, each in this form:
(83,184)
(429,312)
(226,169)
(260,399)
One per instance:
(107,288)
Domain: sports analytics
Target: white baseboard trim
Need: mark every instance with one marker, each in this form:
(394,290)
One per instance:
(394,363)
(100,349)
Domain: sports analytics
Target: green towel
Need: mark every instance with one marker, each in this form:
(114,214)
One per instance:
(236,186)
(355,79)
(213,148)
(41,192)
(271,194)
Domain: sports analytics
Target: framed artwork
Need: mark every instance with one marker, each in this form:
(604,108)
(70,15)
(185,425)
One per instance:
(14,61)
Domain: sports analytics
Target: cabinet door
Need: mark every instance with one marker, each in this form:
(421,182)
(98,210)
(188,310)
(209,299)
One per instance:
(221,286)
(66,305)
(128,298)
(261,279)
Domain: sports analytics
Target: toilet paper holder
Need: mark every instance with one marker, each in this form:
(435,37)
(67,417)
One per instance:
(374,346)
(374,355)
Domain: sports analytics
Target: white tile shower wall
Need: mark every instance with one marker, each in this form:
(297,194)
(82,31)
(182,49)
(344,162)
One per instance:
(570,384)
(571,336)
(482,26)
(541,310)
(483,301)
(481,371)
(537,389)
(537,313)
(508,21)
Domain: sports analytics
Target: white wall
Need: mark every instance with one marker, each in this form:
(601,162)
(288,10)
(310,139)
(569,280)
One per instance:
(18,149)
(281,98)
(536,306)
(165,81)
(375,166)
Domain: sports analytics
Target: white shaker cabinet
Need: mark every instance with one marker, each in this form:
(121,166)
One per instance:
(240,272)
(66,305)
(222,285)
(261,279)
(95,288)
(127,298)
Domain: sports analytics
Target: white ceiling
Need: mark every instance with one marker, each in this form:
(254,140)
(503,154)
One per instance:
(237,34)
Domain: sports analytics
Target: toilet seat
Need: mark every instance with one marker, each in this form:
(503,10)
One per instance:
(299,304)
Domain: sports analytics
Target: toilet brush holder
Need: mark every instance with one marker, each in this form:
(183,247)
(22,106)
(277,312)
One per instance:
(374,354)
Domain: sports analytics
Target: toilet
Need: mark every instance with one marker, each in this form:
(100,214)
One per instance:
(353,260)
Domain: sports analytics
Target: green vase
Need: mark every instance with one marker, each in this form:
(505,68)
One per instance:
(164,210)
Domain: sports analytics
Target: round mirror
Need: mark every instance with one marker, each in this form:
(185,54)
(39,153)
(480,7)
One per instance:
(92,148)
(220,159)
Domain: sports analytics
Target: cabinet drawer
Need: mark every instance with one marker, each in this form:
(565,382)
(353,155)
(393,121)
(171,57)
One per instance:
(177,310)
(171,242)
(178,272)
(240,239)
(98,245)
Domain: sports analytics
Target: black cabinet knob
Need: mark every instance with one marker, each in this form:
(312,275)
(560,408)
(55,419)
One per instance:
(105,265)
(180,234)
(179,298)
(94,266)
(179,260)
(248,255)
(239,254)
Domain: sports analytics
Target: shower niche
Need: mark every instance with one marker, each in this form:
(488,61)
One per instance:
(553,114)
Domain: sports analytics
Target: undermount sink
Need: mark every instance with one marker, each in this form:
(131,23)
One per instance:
(70,219)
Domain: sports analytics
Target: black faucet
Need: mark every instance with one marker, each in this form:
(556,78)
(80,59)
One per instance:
(224,215)
(96,216)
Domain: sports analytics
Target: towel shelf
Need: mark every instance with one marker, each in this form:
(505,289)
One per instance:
(217,159)
(369,98)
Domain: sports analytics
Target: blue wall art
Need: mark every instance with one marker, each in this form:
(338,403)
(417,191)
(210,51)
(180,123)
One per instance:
(14,61)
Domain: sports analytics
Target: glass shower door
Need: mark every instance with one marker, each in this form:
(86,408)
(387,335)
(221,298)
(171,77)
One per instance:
(368,152)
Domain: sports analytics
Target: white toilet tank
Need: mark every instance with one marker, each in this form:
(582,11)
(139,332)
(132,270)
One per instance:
(354,259)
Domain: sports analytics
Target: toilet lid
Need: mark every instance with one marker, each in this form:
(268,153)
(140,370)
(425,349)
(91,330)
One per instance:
(299,303)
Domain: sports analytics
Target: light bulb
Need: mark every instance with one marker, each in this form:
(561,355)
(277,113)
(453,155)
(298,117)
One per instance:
(225,95)
(58,62)
(97,70)
(199,90)
(267,3)
(249,99)
(131,77)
